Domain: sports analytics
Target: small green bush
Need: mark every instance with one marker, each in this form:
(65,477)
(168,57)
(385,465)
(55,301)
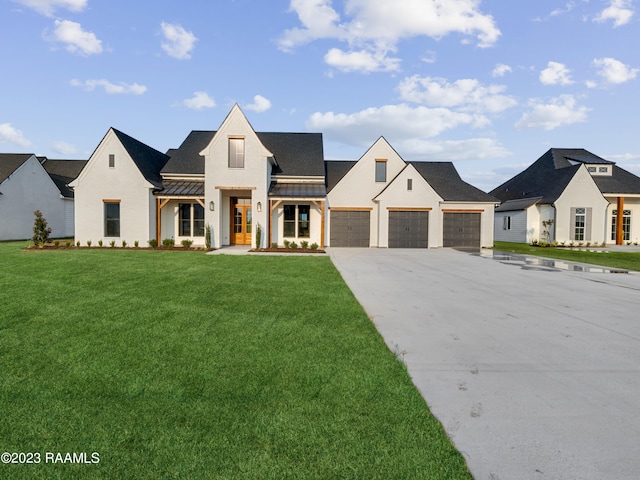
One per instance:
(314,246)
(186,243)
(304,244)
(274,245)
(287,243)
(112,243)
(40,230)
(136,243)
(168,242)
(88,243)
(67,243)
(293,245)
(124,243)
(153,243)
(207,236)
(57,243)
(78,243)
(100,243)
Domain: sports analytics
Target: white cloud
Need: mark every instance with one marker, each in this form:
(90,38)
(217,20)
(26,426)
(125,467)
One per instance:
(466,94)
(614,71)
(179,42)
(373,28)
(9,134)
(260,104)
(560,111)
(64,148)
(500,70)
(110,88)
(395,122)
(76,39)
(450,150)
(199,101)
(363,61)
(48,7)
(555,74)
(619,11)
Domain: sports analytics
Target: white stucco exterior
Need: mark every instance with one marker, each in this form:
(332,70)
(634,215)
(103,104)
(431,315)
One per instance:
(98,183)
(27,189)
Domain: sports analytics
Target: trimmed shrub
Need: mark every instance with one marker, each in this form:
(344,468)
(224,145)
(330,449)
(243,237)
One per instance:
(186,243)
(153,243)
(314,246)
(40,230)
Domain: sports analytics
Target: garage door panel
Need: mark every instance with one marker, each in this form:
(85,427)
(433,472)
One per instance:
(408,229)
(350,228)
(461,229)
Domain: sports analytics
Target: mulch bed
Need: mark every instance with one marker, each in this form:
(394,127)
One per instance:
(288,250)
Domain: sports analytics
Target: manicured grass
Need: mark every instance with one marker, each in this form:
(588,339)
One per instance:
(597,255)
(187,366)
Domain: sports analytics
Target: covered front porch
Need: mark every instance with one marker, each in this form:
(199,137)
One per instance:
(180,212)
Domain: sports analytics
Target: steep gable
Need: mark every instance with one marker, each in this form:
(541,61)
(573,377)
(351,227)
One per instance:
(10,162)
(148,160)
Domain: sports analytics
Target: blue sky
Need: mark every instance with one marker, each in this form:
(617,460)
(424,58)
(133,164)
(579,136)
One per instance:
(490,85)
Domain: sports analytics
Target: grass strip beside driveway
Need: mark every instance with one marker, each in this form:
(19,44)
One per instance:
(595,255)
(183,365)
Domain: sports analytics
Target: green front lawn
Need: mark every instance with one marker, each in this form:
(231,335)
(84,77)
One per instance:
(183,365)
(596,255)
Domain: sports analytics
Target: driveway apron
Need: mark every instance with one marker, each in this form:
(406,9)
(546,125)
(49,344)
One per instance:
(532,368)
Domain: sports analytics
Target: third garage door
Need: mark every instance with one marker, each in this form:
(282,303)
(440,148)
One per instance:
(350,228)
(461,229)
(408,229)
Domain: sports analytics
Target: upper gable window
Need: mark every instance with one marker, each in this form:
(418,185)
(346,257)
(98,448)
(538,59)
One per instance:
(112,161)
(409,184)
(381,170)
(236,152)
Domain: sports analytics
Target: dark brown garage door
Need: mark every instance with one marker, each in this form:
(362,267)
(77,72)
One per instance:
(350,228)
(408,229)
(461,230)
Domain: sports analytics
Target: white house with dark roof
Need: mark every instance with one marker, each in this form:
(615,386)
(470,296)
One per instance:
(383,201)
(29,183)
(235,180)
(569,195)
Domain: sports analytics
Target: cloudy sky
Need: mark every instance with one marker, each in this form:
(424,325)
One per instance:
(490,85)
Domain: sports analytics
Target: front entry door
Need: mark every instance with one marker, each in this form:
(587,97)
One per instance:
(241,226)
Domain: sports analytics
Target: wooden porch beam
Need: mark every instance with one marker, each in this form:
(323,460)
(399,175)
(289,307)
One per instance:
(619,221)
(160,203)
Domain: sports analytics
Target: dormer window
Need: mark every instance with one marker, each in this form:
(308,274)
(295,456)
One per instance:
(603,169)
(236,152)
(591,169)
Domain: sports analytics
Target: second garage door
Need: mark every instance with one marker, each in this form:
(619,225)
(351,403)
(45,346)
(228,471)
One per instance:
(461,229)
(350,228)
(408,229)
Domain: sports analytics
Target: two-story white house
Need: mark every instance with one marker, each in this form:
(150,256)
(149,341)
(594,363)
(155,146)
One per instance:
(234,182)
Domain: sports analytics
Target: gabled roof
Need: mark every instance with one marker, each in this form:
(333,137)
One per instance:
(548,176)
(63,172)
(296,154)
(334,170)
(148,160)
(10,162)
(445,180)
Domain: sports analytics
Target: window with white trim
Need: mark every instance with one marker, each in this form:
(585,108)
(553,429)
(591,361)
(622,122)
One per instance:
(626,224)
(297,221)
(580,223)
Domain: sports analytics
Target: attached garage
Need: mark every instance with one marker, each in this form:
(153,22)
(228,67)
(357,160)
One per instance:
(461,229)
(408,228)
(350,228)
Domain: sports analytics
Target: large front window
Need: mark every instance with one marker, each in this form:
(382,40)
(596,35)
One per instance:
(580,223)
(297,221)
(190,220)
(236,152)
(626,224)
(111,219)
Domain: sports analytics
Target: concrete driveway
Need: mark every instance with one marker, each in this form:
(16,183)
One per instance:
(532,368)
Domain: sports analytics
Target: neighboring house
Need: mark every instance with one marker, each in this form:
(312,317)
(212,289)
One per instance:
(383,201)
(569,195)
(235,180)
(28,183)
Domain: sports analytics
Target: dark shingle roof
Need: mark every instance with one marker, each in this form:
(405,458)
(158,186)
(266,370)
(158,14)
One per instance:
(186,159)
(335,170)
(148,160)
(297,154)
(548,176)
(445,180)
(520,204)
(63,172)
(9,163)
